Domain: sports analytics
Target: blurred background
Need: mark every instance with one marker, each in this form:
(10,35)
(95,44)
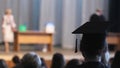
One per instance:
(65,14)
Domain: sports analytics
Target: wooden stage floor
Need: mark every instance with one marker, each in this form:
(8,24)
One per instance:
(68,53)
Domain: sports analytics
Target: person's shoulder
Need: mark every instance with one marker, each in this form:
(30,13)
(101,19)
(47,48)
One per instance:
(94,14)
(92,65)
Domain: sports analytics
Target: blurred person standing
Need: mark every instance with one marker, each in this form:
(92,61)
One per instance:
(8,28)
(98,17)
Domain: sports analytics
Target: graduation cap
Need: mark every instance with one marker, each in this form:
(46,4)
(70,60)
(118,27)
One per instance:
(94,34)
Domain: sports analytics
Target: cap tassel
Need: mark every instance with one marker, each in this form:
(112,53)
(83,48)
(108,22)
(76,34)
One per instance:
(76,45)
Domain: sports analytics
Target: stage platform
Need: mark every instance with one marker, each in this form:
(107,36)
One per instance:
(68,53)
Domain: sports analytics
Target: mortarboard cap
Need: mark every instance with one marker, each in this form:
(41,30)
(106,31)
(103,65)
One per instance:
(92,28)
(94,34)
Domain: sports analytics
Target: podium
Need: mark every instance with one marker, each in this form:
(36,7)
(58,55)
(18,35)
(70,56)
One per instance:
(32,37)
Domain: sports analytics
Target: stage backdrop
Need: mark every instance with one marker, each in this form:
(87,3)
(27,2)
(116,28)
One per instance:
(114,15)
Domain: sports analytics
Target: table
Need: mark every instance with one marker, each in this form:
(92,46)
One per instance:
(113,38)
(32,37)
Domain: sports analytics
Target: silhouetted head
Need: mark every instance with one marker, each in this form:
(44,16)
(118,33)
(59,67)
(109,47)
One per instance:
(92,45)
(58,61)
(98,11)
(31,60)
(16,59)
(73,63)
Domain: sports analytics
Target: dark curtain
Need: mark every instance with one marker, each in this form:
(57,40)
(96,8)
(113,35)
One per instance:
(114,15)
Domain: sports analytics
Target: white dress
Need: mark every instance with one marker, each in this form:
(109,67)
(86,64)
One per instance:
(8,24)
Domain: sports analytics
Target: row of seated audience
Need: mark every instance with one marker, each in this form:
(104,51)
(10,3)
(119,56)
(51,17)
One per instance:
(32,60)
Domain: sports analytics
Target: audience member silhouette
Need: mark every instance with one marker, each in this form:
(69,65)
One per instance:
(30,60)
(97,16)
(3,64)
(92,47)
(16,59)
(93,43)
(116,60)
(73,63)
(58,61)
